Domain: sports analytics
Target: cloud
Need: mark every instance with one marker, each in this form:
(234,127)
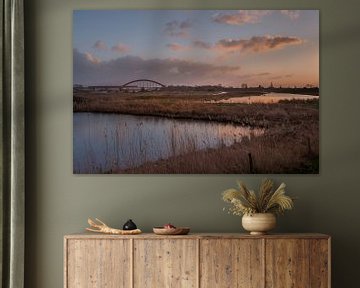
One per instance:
(167,71)
(120,48)
(100,45)
(263,74)
(196,44)
(91,58)
(177,28)
(176,47)
(241,17)
(174,70)
(257,43)
(83,64)
(281,76)
(292,14)
(246,76)
(201,44)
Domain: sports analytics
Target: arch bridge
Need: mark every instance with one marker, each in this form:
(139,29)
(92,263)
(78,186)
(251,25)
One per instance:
(143,84)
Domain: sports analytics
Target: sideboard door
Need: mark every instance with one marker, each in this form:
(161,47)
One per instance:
(287,263)
(297,263)
(170,263)
(320,263)
(98,263)
(231,263)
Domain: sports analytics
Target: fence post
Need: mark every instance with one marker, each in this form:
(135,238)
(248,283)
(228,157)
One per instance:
(309,146)
(251,165)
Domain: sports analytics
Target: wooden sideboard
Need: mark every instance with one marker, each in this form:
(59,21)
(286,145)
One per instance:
(197,260)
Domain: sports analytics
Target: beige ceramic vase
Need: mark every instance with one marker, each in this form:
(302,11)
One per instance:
(259,223)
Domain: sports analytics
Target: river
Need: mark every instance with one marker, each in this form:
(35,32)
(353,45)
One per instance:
(268,98)
(104,142)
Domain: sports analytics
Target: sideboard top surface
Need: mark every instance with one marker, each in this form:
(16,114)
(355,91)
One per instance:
(87,235)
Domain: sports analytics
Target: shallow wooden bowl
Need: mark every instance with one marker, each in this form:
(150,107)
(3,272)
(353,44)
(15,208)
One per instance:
(171,231)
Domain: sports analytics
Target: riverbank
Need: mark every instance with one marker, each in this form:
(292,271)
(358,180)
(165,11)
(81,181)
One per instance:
(196,106)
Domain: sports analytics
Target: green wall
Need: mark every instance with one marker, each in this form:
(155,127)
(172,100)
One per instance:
(59,203)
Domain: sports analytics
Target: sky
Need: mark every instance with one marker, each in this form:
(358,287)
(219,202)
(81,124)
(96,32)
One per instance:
(197,47)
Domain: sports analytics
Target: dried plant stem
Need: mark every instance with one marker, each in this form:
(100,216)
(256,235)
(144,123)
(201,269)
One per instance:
(245,201)
(101,227)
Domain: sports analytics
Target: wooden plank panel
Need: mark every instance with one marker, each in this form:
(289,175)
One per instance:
(287,263)
(319,263)
(231,263)
(98,264)
(166,263)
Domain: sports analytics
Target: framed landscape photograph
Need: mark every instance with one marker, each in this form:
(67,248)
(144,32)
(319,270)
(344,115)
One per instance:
(196,92)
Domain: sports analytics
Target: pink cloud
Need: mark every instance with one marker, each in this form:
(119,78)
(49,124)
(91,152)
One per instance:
(120,48)
(201,44)
(176,47)
(281,76)
(91,58)
(257,75)
(257,43)
(100,45)
(241,17)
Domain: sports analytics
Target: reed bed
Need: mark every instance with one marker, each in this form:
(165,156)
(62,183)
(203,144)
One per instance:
(194,107)
(283,151)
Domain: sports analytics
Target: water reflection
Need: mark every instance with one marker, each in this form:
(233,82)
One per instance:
(268,98)
(106,142)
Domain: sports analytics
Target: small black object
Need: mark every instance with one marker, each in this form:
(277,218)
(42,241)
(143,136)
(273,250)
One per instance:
(129,225)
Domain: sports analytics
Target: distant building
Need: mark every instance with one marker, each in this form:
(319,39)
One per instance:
(244,85)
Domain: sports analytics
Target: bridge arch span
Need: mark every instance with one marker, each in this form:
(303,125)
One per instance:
(143,80)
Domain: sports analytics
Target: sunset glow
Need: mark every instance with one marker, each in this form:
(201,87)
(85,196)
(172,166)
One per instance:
(197,47)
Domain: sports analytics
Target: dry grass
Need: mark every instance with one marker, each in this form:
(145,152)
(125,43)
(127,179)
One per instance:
(192,106)
(286,151)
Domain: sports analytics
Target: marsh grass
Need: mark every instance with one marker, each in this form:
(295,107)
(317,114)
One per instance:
(274,152)
(180,106)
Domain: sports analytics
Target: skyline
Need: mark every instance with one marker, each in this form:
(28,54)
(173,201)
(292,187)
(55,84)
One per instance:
(197,47)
